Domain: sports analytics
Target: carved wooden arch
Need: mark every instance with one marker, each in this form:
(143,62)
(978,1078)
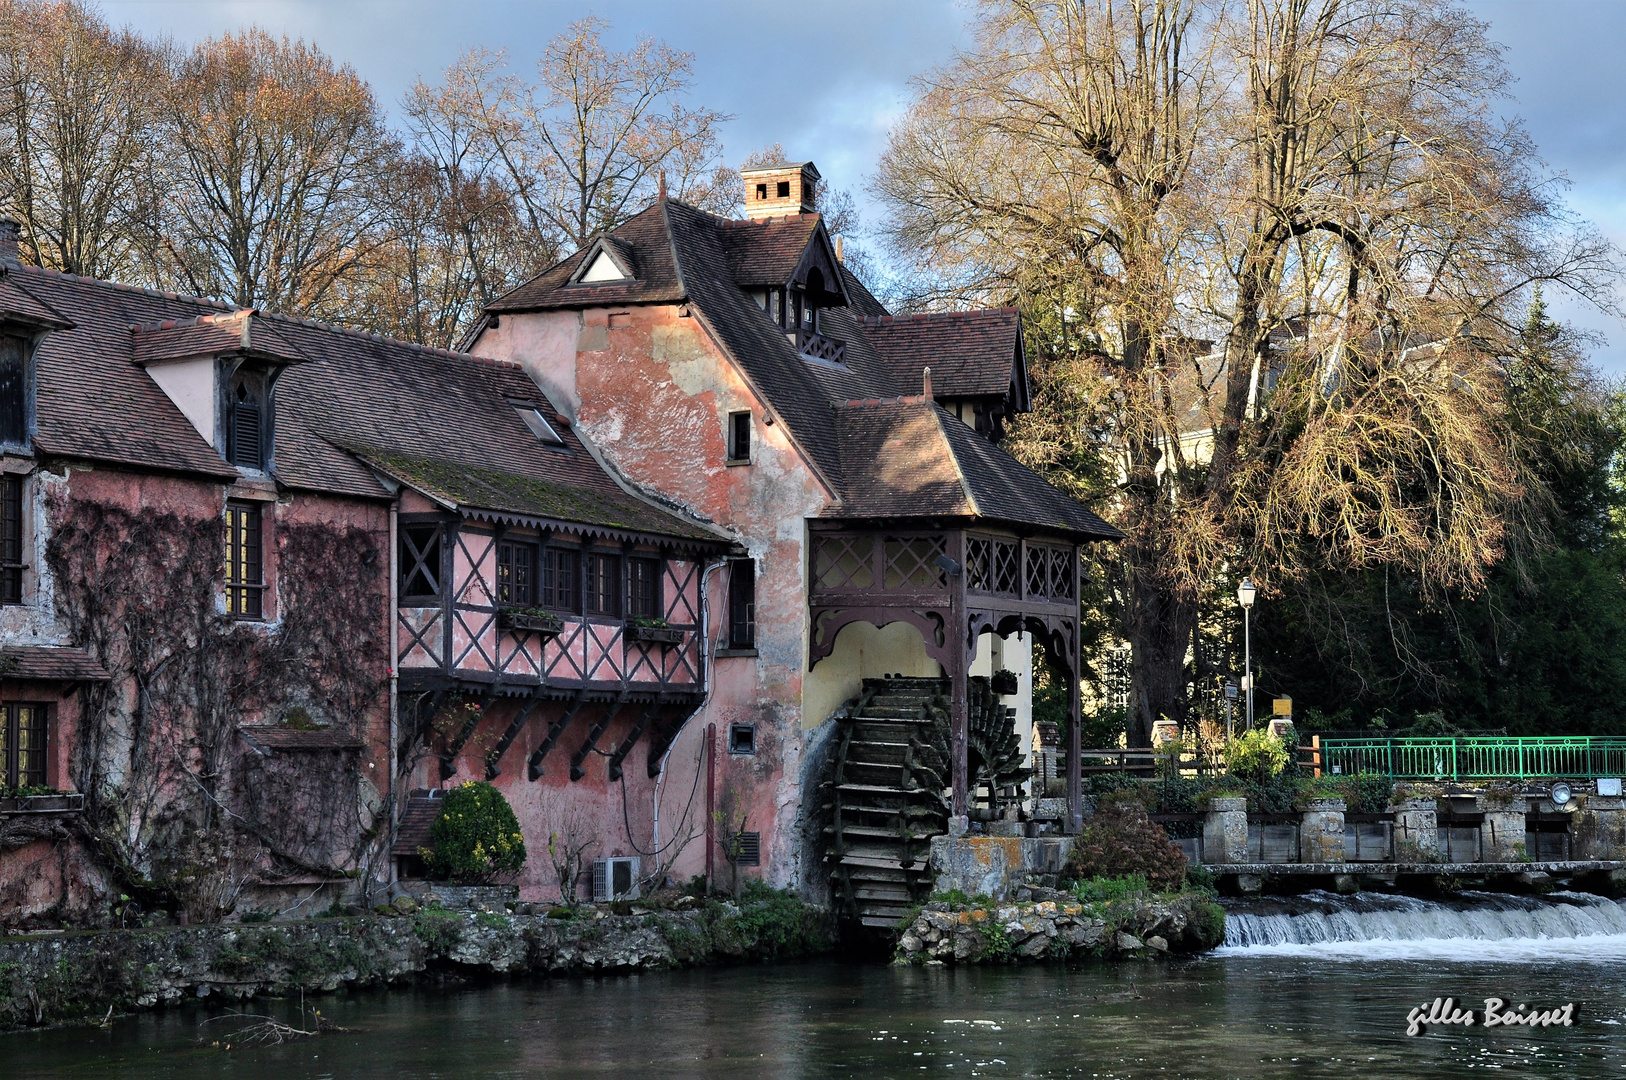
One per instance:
(1059,634)
(827,623)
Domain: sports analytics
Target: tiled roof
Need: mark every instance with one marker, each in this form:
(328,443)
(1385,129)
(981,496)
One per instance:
(766,251)
(412,832)
(473,488)
(971,353)
(884,456)
(399,401)
(50,663)
(19,304)
(907,457)
(642,239)
(287,738)
(215,334)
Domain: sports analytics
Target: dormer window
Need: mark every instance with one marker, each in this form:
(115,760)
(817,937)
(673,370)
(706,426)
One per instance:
(603,264)
(245,422)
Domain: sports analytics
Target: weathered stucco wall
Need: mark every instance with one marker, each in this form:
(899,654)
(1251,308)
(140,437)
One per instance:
(653,393)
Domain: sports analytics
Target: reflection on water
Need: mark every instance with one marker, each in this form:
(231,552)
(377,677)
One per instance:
(1279,1010)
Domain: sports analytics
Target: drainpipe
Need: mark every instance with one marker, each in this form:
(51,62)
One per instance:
(711,800)
(395,716)
(705,669)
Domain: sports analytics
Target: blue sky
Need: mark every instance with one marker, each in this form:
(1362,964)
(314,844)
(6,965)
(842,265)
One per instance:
(827,79)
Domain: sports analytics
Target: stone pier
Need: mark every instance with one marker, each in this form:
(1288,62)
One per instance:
(1225,831)
(1598,830)
(1321,831)
(1501,837)
(1417,831)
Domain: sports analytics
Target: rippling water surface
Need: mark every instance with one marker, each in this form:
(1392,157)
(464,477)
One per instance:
(1299,1001)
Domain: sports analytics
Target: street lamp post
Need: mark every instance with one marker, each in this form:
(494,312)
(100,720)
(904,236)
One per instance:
(1245,593)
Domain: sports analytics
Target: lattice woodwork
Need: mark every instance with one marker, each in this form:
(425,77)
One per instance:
(910,562)
(1038,572)
(844,562)
(1062,578)
(1007,568)
(979,564)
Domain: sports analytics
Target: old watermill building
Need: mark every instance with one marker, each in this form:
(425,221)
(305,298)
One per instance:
(687,551)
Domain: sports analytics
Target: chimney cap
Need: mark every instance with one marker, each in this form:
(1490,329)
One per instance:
(926,384)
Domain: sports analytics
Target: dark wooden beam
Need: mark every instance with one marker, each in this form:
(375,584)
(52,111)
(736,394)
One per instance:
(508,736)
(576,759)
(448,760)
(534,765)
(632,738)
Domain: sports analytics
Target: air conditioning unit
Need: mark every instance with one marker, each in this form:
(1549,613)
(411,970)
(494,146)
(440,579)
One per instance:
(615,879)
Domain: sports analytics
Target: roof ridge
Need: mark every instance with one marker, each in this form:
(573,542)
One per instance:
(123,286)
(901,399)
(923,316)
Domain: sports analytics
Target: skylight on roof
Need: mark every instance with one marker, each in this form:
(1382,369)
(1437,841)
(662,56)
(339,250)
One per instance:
(533,418)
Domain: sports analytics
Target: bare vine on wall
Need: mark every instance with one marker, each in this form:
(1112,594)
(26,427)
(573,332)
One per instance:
(175,801)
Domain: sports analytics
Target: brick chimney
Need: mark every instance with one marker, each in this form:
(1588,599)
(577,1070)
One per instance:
(780,190)
(10,235)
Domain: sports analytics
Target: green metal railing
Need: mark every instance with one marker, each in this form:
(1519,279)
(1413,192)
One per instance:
(1577,757)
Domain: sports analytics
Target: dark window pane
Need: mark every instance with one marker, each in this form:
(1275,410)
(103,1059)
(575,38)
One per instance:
(11,540)
(644,589)
(13,390)
(742,604)
(420,562)
(739,436)
(516,574)
(603,585)
(561,568)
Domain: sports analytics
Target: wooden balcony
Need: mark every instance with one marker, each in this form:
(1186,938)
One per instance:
(819,347)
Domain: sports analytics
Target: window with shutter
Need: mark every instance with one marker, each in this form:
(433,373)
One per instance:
(245,423)
(22,744)
(11,539)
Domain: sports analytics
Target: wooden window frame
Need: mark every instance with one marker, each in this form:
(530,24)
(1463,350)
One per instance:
(742,604)
(635,599)
(517,581)
(13,534)
(559,579)
(602,584)
(245,560)
(12,774)
(740,430)
(426,558)
(14,400)
(248,397)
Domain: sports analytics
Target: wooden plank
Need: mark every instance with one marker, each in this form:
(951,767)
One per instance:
(534,765)
(576,759)
(494,758)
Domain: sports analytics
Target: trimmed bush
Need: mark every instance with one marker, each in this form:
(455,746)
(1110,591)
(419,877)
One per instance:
(1119,841)
(1258,755)
(476,839)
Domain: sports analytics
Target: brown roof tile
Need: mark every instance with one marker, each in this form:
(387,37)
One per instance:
(412,832)
(50,663)
(971,353)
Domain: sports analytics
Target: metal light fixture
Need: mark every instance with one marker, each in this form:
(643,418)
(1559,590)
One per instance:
(1560,793)
(1245,593)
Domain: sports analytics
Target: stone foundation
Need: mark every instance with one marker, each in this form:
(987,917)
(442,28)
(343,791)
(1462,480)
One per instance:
(995,866)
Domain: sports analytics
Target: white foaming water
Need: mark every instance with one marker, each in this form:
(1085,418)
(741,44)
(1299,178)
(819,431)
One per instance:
(1470,927)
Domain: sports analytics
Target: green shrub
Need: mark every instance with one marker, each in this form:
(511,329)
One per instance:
(1107,890)
(775,922)
(1373,793)
(1257,755)
(440,930)
(1121,840)
(476,838)
(996,942)
(1210,925)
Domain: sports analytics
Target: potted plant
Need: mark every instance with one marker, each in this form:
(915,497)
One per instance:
(528,618)
(39,800)
(1003,683)
(655,631)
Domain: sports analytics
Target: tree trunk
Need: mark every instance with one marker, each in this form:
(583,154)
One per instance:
(1159,631)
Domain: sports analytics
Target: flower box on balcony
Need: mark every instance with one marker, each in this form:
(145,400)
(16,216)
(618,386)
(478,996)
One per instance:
(1003,683)
(655,635)
(42,804)
(541,622)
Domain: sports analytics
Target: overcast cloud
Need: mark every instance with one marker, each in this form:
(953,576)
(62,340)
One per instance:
(826,80)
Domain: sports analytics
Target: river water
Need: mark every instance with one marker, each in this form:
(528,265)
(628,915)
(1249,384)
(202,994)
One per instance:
(1317,986)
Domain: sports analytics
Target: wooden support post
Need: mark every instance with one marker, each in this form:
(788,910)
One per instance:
(1075,754)
(535,763)
(494,758)
(959,744)
(576,759)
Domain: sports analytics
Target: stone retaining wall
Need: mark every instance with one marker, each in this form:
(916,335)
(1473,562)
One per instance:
(47,978)
(1060,928)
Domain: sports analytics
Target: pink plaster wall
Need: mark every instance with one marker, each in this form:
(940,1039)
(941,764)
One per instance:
(655,401)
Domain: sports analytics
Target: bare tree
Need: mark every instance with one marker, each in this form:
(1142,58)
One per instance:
(581,146)
(76,111)
(1317,184)
(275,155)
